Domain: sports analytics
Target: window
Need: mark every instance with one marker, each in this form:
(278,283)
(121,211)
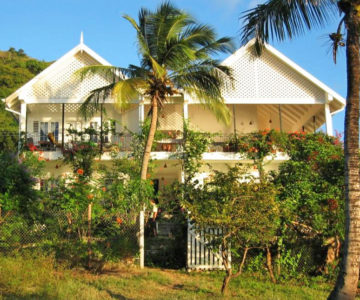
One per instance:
(43,131)
(36,127)
(55,130)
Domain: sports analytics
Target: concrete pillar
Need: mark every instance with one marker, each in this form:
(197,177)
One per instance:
(141,113)
(186,110)
(22,119)
(328,120)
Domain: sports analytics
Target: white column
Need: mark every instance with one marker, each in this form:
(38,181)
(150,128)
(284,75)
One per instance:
(141,112)
(328,120)
(22,123)
(22,118)
(186,110)
(142,239)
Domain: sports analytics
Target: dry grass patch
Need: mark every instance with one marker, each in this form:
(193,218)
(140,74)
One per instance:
(42,278)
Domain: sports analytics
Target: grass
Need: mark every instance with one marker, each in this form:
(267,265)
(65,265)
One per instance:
(40,278)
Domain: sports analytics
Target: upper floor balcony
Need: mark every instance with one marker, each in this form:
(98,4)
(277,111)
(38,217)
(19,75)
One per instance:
(269,92)
(50,127)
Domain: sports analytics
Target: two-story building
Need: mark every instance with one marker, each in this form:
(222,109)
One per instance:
(270,92)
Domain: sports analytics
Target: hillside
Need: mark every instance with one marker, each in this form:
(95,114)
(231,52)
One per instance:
(16,68)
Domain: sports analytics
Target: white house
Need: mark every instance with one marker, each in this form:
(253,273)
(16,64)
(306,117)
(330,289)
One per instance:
(270,92)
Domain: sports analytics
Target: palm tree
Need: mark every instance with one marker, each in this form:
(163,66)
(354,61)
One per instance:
(281,19)
(175,58)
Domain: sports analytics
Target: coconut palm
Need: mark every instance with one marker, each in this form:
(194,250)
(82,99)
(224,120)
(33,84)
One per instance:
(281,19)
(175,58)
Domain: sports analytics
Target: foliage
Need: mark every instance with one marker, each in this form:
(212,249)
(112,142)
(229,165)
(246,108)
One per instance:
(195,144)
(126,193)
(16,68)
(81,153)
(138,143)
(258,145)
(282,20)
(311,195)
(99,212)
(9,131)
(310,184)
(17,190)
(242,207)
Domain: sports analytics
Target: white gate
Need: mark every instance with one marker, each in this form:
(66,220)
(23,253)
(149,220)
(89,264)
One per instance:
(199,253)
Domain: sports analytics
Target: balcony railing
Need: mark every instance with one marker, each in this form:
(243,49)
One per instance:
(124,142)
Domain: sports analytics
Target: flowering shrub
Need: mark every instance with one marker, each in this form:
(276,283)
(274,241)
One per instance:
(258,145)
(17,183)
(311,196)
(81,157)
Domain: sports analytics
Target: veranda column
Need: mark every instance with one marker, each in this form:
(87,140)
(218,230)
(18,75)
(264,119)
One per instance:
(186,110)
(22,121)
(23,116)
(101,128)
(63,126)
(141,113)
(328,120)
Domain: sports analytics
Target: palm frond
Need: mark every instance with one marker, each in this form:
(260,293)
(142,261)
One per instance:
(92,103)
(111,73)
(281,19)
(222,45)
(205,83)
(127,90)
(143,47)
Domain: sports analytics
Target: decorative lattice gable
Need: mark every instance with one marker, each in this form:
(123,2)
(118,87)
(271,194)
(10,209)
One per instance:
(62,83)
(268,77)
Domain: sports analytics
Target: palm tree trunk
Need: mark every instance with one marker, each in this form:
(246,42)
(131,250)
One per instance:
(150,138)
(347,281)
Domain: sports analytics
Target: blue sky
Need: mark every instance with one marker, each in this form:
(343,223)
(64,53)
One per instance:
(47,29)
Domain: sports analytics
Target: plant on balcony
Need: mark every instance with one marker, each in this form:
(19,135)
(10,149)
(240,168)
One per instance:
(176,57)
(232,144)
(81,152)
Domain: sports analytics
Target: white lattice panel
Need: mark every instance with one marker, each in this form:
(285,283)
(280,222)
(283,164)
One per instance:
(170,117)
(63,84)
(269,77)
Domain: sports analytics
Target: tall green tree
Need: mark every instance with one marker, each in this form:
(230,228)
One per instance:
(282,19)
(175,58)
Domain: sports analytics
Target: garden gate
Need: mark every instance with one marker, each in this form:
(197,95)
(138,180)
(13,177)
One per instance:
(200,256)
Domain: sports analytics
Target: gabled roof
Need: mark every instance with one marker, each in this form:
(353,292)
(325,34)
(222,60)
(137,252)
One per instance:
(80,48)
(241,51)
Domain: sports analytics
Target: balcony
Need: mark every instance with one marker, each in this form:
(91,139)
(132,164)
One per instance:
(222,148)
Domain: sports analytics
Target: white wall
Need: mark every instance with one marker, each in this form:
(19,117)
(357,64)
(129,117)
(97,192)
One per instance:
(204,120)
